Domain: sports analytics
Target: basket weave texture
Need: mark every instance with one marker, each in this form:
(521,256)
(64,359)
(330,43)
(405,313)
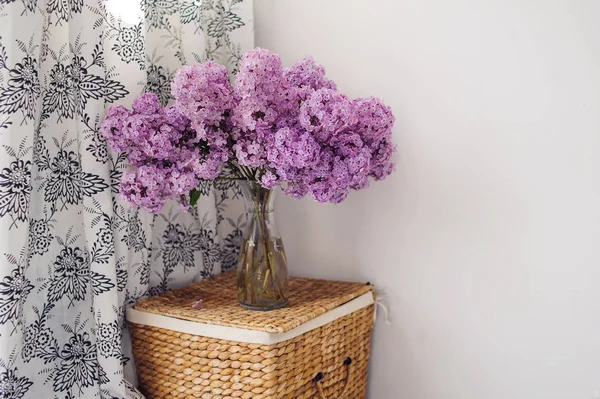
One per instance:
(329,362)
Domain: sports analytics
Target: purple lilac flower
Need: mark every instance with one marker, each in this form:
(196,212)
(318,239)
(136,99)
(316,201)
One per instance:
(306,76)
(381,164)
(167,152)
(138,131)
(292,148)
(112,128)
(258,91)
(326,112)
(145,187)
(268,180)
(250,147)
(259,77)
(374,118)
(147,104)
(203,94)
(151,186)
(341,164)
(375,122)
(176,119)
(295,189)
(356,158)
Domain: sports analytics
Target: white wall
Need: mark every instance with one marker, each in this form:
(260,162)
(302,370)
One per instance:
(487,238)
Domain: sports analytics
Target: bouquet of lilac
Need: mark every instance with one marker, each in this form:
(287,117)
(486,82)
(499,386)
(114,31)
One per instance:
(277,126)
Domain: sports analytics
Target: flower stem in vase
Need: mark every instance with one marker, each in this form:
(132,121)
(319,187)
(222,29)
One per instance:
(262,271)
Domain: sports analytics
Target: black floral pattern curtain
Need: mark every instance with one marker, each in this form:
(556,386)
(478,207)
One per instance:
(72,255)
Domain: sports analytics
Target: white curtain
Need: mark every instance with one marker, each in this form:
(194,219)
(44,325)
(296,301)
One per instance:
(72,255)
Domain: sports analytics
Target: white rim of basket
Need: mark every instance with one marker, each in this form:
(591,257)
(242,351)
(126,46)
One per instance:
(244,335)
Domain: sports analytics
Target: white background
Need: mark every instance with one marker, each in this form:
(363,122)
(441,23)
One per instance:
(487,238)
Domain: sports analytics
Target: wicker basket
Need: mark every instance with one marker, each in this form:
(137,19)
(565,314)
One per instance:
(316,348)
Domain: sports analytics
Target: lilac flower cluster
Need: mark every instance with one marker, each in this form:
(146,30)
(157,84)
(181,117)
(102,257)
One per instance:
(203,94)
(279,126)
(259,100)
(160,143)
(300,132)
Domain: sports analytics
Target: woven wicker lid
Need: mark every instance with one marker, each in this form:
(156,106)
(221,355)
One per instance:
(309,298)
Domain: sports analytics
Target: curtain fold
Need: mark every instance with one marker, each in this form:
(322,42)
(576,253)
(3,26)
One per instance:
(72,255)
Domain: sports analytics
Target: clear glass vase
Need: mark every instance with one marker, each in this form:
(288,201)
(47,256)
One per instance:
(262,276)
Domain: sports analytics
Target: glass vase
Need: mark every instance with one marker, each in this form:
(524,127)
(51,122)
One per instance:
(262,276)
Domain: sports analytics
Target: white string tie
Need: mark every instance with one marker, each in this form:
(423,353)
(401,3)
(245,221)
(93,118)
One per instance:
(380,304)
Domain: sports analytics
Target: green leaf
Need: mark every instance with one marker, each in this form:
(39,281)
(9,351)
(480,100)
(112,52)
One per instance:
(194,196)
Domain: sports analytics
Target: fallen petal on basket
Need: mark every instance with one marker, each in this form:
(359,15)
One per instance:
(272,127)
(198,304)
